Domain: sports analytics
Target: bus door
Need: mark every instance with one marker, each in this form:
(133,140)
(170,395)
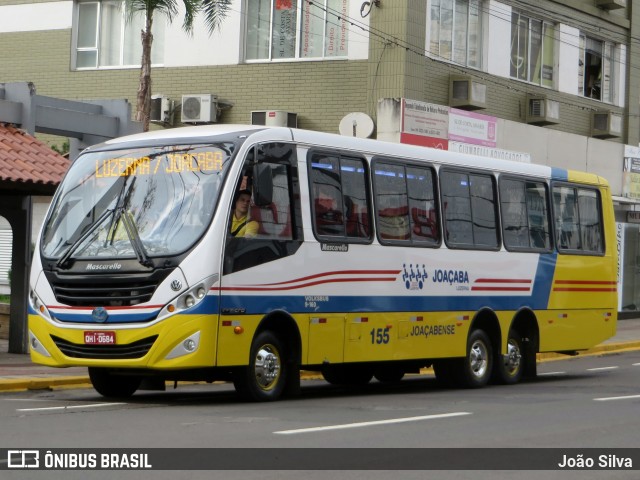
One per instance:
(266,231)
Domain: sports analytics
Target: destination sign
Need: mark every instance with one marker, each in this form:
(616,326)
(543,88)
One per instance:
(209,161)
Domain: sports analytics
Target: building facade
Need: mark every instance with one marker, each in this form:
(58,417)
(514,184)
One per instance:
(560,78)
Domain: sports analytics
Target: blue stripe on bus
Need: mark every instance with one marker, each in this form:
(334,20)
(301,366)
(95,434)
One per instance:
(259,304)
(559,174)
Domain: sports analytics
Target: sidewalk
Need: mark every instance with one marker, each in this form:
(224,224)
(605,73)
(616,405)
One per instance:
(18,373)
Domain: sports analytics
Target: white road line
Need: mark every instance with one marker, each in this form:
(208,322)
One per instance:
(636,365)
(601,369)
(370,424)
(551,373)
(68,407)
(606,399)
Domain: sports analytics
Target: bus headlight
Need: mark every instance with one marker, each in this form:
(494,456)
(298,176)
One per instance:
(189,298)
(38,305)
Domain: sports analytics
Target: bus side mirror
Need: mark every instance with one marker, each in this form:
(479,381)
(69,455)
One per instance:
(262,184)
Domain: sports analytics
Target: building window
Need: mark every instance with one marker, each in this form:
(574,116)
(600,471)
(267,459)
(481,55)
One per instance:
(296,29)
(532,49)
(595,69)
(105,38)
(456,31)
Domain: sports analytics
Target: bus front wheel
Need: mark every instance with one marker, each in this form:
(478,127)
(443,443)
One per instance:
(264,378)
(113,386)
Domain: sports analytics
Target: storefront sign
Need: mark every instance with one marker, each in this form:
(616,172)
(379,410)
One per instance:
(490,152)
(633,217)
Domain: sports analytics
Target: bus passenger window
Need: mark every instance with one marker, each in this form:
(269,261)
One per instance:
(339,197)
(470,213)
(523,205)
(578,217)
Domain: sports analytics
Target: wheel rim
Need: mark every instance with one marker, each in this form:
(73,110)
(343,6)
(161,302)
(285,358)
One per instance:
(513,359)
(267,367)
(478,359)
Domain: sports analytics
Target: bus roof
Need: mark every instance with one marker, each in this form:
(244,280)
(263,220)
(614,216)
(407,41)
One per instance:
(367,146)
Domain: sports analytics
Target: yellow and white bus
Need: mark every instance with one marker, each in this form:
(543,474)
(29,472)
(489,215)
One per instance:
(369,259)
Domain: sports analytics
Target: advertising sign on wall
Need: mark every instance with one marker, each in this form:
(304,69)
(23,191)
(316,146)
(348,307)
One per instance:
(473,128)
(631,172)
(424,124)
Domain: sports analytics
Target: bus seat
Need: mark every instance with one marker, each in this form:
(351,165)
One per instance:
(394,223)
(424,223)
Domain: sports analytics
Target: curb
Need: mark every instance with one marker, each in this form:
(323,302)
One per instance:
(82,381)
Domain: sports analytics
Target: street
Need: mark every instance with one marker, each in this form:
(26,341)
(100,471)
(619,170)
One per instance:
(585,402)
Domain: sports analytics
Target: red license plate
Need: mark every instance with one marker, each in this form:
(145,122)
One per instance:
(99,338)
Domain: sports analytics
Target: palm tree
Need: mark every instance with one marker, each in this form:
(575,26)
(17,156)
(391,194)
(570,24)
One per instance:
(214,12)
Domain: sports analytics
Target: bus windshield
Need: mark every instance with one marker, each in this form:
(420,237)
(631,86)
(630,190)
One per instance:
(141,202)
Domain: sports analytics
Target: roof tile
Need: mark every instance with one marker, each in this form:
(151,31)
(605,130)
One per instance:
(24,158)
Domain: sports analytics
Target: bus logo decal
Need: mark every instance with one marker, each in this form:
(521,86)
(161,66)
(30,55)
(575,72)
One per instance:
(176,285)
(414,276)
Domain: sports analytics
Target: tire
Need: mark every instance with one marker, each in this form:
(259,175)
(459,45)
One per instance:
(113,386)
(347,375)
(389,374)
(474,371)
(508,369)
(263,380)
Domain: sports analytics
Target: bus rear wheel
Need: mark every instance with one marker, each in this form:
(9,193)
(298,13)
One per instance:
(474,371)
(263,380)
(510,367)
(113,386)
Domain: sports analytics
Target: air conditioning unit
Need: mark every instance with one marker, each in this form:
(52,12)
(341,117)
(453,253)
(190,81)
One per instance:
(274,118)
(199,108)
(161,110)
(611,4)
(606,124)
(467,93)
(542,111)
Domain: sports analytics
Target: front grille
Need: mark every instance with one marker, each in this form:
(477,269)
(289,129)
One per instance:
(131,350)
(105,290)
(104,294)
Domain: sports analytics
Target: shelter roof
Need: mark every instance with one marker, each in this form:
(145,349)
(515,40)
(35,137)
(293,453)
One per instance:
(28,165)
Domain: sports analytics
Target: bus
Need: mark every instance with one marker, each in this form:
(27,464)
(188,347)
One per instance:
(367,259)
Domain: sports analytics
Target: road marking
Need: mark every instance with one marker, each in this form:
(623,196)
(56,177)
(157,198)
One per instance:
(551,373)
(600,369)
(371,424)
(636,364)
(606,399)
(68,407)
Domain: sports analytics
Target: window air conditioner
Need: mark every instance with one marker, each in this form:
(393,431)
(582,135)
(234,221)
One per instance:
(466,93)
(199,108)
(161,110)
(274,118)
(606,124)
(542,111)
(611,4)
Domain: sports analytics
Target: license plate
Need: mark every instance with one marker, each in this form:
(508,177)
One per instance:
(99,338)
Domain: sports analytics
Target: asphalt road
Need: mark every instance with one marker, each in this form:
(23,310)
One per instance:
(585,402)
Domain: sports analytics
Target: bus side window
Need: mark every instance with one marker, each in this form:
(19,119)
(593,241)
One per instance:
(339,197)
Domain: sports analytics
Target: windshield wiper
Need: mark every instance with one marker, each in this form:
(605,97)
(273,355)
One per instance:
(134,238)
(64,259)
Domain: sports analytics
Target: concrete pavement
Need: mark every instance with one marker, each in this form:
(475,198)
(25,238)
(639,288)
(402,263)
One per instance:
(18,373)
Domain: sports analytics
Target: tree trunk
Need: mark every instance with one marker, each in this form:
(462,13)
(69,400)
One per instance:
(143,107)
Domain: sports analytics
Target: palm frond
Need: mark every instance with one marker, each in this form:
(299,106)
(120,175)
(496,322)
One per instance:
(215,11)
